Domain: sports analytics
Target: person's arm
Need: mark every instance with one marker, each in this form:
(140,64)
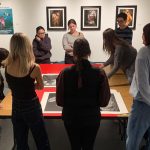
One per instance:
(60,90)
(37,75)
(36,51)
(117,61)
(129,36)
(67,47)
(104,91)
(45,44)
(109,61)
(142,70)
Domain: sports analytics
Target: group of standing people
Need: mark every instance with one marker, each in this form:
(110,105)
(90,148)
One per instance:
(117,43)
(80,89)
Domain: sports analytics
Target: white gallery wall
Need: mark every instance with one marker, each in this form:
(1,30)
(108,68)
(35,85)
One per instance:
(28,14)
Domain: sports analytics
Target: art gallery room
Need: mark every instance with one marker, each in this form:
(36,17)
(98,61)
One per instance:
(92,18)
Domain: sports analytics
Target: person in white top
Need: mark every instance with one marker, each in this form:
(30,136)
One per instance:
(139,119)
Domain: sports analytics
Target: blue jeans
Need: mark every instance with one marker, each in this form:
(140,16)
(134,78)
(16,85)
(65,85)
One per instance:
(27,114)
(138,125)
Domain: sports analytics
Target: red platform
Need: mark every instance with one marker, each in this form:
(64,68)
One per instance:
(55,69)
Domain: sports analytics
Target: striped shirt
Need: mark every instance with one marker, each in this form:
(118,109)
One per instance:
(125,34)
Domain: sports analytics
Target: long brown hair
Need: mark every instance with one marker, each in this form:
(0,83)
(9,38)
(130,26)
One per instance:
(81,49)
(110,40)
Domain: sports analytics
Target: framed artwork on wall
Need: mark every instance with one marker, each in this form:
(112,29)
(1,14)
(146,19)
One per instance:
(56,18)
(131,12)
(6,21)
(90,17)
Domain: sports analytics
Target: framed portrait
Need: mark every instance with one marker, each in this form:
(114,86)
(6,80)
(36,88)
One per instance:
(131,12)
(90,17)
(56,18)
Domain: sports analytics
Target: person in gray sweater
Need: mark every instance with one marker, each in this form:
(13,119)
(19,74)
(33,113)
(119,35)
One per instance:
(122,54)
(68,41)
(139,120)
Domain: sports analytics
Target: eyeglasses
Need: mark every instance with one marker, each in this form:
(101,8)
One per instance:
(41,33)
(120,21)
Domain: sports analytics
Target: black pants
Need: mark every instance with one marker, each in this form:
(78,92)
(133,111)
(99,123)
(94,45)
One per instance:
(28,115)
(44,61)
(82,137)
(69,59)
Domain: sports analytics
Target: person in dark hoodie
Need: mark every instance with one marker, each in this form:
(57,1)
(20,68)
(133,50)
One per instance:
(42,46)
(3,55)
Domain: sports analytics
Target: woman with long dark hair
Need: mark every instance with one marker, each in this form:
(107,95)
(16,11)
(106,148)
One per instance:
(122,54)
(81,90)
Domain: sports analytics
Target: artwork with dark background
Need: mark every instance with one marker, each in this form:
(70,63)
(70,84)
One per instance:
(131,12)
(90,17)
(56,18)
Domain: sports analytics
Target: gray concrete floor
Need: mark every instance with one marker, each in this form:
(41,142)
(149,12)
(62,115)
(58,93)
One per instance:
(108,137)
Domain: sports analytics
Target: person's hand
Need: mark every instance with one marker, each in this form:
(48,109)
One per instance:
(37,38)
(71,45)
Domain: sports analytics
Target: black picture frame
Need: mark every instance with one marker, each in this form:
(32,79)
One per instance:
(131,11)
(90,17)
(56,18)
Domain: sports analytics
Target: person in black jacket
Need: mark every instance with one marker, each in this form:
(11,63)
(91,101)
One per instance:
(3,55)
(42,46)
(81,90)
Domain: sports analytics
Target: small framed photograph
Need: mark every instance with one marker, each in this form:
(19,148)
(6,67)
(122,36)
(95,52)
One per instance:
(90,17)
(48,104)
(49,80)
(56,18)
(131,12)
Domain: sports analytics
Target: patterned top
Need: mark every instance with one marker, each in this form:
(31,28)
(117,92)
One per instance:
(125,34)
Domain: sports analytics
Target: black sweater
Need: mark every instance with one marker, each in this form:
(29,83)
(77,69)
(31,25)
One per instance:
(42,49)
(83,102)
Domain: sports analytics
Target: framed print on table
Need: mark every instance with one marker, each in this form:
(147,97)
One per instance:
(131,12)
(56,18)
(90,17)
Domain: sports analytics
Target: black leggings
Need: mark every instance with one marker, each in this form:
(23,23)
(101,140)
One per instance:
(69,59)
(27,115)
(82,137)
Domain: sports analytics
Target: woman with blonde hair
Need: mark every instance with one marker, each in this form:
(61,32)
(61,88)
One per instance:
(23,77)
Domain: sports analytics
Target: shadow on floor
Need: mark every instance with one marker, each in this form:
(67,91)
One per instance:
(108,137)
